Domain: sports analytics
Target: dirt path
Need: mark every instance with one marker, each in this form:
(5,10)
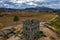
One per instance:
(48,32)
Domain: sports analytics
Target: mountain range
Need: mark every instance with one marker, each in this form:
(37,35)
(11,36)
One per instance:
(35,9)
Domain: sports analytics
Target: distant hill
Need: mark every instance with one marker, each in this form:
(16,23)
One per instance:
(36,9)
(8,9)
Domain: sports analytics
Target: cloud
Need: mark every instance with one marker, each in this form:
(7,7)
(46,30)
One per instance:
(29,3)
(23,1)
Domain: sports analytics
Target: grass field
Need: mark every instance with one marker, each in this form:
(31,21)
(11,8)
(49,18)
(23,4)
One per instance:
(56,24)
(8,20)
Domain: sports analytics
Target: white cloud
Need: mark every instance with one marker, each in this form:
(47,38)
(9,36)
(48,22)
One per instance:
(8,6)
(23,1)
(31,3)
(1,1)
(18,3)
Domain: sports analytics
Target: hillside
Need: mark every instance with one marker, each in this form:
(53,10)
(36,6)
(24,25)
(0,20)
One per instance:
(56,24)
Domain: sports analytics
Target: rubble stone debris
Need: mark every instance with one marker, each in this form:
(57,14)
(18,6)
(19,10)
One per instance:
(5,34)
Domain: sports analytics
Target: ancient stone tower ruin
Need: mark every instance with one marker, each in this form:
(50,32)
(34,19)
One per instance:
(31,29)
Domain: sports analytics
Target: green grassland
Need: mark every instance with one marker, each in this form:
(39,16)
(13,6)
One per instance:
(56,24)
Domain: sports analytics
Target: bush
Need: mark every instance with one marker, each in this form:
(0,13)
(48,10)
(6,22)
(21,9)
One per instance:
(1,25)
(16,18)
(1,15)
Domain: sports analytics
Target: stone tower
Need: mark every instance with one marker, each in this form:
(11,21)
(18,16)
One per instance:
(31,29)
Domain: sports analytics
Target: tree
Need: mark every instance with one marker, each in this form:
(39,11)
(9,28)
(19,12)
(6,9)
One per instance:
(16,19)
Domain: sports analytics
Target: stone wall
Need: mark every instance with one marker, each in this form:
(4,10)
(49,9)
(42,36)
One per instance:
(31,29)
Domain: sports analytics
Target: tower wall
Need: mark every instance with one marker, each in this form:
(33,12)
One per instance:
(30,29)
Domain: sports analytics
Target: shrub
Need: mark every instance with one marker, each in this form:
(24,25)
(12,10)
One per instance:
(1,15)
(1,25)
(16,18)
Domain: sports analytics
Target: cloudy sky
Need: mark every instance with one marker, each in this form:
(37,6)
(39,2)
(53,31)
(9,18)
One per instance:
(21,4)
